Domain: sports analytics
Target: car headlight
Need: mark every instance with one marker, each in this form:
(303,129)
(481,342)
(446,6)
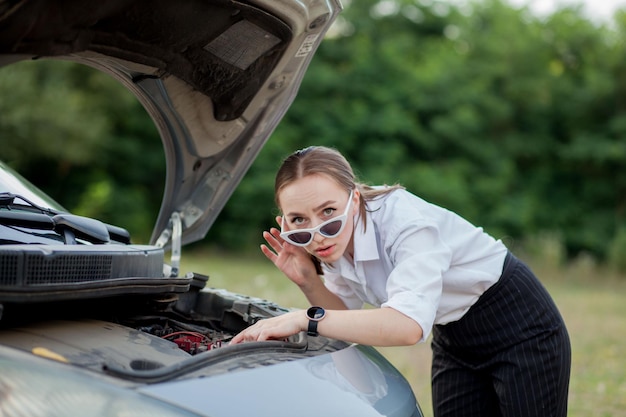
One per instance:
(39,389)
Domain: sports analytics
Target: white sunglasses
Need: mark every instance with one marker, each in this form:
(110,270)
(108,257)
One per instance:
(329,228)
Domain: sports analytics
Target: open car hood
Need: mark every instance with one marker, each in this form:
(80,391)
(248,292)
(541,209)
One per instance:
(216,76)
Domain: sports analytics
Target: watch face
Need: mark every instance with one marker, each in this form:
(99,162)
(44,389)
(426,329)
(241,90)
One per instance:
(315,313)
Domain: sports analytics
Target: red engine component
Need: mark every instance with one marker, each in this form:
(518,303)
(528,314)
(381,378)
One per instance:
(192,342)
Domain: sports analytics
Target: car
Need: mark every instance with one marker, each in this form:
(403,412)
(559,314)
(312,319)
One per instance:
(93,324)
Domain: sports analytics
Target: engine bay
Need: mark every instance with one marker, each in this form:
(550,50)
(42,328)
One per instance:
(147,338)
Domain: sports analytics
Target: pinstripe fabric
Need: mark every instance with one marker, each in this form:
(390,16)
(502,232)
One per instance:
(508,356)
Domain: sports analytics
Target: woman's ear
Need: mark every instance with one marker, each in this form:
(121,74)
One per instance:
(356,199)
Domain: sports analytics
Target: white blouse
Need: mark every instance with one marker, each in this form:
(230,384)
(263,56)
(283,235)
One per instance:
(420,259)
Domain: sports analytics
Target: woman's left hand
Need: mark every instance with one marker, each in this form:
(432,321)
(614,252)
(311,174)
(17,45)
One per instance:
(293,261)
(275,328)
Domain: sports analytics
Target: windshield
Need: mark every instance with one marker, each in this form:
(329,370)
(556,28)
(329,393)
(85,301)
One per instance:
(14,183)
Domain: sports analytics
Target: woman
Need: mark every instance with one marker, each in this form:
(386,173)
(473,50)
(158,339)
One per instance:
(500,346)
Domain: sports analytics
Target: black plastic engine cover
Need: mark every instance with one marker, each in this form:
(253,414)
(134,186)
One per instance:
(53,272)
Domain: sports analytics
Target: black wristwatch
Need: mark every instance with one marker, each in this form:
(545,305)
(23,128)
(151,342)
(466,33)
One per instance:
(315,314)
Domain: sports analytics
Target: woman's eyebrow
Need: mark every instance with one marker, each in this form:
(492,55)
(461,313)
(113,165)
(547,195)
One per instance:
(317,208)
(325,204)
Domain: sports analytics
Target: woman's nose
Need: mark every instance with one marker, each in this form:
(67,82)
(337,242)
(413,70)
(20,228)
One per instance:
(318,237)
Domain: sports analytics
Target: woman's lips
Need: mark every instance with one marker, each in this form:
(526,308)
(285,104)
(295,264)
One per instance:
(325,251)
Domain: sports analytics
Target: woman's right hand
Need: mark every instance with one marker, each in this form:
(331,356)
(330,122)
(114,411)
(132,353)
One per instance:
(295,262)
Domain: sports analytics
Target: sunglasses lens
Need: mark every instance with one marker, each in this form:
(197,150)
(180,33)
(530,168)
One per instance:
(301,237)
(332,228)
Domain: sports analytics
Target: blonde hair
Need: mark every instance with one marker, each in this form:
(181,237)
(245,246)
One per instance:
(327,161)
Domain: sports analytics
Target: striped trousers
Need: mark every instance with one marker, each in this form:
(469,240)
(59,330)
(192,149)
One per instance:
(508,356)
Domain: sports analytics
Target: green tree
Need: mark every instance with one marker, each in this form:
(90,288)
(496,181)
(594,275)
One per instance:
(514,121)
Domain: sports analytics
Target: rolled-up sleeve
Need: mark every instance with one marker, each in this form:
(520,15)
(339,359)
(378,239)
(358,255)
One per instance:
(419,259)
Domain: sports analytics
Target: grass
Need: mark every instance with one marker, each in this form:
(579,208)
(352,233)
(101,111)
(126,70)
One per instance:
(591,301)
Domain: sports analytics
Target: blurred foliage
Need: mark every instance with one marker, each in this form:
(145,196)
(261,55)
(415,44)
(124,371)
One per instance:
(83,139)
(516,122)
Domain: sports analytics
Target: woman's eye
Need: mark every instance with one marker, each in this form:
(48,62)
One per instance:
(298,221)
(329,212)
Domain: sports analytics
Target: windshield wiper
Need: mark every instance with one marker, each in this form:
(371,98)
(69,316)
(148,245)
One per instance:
(7,200)
(69,226)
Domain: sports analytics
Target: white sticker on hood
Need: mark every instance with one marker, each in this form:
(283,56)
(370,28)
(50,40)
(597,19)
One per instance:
(307,46)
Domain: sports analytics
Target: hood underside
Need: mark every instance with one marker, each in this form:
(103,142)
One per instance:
(215,76)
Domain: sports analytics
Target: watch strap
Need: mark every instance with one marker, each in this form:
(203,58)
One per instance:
(312,330)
